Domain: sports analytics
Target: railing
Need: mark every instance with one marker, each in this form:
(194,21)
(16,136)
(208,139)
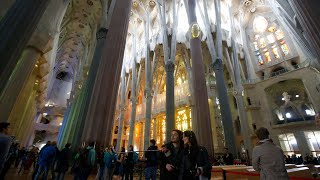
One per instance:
(276,73)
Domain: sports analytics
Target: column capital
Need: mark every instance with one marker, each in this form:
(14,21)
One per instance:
(169,66)
(102,33)
(134,100)
(148,93)
(217,64)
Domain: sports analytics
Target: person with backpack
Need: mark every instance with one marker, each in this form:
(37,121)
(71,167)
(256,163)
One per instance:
(195,163)
(63,161)
(109,159)
(46,158)
(100,163)
(87,161)
(120,164)
(152,161)
(130,161)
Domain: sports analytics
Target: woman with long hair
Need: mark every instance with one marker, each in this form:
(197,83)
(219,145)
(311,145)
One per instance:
(195,163)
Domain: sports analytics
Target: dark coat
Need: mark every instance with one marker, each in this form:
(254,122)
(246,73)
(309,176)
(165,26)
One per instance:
(152,157)
(195,158)
(63,160)
(173,157)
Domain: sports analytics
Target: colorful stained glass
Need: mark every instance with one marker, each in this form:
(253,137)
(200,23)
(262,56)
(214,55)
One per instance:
(263,43)
(255,44)
(279,34)
(276,53)
(260,60)
(267,55)
(285,49)
(270,38)
(271,29)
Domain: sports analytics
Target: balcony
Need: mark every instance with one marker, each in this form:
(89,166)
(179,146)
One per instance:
(250,82)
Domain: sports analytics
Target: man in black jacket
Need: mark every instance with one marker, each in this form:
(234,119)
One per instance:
(171,156)
(152,161)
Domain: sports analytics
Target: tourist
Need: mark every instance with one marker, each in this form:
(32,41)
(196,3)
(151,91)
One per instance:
(109,159)
(119,171)
(171,156)
(267,158)
(130,161)
(195,163)
(5,143)
(87,161)
(37,165)
(10,159)
(46,158)
(63,161)
(227,157)
(100,163)
(152,161)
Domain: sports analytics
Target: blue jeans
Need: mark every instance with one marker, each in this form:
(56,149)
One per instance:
(42,169)
(101,173)
(60,176)
(151,173)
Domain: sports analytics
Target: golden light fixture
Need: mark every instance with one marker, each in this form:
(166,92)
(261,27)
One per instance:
(135,4)
(152,3)
(195,30)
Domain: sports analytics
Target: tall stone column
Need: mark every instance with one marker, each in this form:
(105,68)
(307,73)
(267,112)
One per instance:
(133,94)
(122,110)
(203,129)
(302,143)
(308,15)
(224,107)
(221,87)
(85,94)
(16,28)
(17,81)
(99,119)
(155,129)
(170,109)
(148,87)
(245,128)
(132,120)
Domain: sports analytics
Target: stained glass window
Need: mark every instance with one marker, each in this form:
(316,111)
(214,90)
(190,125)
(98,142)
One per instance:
(279,34)
(255,44)
(276,53)
(285,49)
(260,24)
(271,38)
(271,29)
(263,43)
(260,59)
(267,55)
(268,41)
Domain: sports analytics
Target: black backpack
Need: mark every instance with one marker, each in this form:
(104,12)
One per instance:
(84,161)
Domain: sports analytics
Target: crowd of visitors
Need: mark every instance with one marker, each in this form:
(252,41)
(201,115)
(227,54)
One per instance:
(181,158)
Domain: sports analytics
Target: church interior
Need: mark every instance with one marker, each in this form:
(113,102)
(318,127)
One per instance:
(122,72)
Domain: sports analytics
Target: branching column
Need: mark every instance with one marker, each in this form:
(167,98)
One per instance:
(133,95)
(203,129)
(16,28)
(245,129)
(221,87)
(65,135)
(99,121)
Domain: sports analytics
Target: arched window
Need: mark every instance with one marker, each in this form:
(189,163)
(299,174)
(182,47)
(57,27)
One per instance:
(268,41)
